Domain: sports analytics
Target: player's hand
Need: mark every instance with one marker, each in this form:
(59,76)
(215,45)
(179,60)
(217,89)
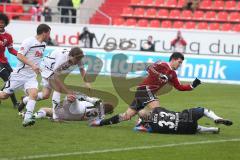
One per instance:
(71,97)
(163,77)
(196,82)
(36,69)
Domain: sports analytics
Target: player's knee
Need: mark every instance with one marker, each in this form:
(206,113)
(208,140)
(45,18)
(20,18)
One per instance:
(3,95)
(46,96)
(33,96)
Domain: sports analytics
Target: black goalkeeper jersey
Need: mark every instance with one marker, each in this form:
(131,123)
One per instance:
(165,121)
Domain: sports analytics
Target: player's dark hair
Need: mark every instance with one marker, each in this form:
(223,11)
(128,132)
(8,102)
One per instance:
(43,28)
(75,52)
(176,55)
(4,18)
(108,108)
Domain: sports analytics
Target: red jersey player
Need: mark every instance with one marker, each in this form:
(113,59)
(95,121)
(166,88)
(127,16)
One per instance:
(160,74)
(6,42)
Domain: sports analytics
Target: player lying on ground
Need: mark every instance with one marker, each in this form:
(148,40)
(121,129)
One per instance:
(77,107)
(159,75)
(161,120)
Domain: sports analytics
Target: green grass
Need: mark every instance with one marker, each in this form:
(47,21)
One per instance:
(49,138)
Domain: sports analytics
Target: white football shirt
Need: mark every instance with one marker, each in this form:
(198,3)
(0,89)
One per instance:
(33,50)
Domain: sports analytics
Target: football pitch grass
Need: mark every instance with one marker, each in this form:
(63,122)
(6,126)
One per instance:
(76,140)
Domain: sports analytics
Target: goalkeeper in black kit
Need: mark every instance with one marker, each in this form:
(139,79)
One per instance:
(161,120)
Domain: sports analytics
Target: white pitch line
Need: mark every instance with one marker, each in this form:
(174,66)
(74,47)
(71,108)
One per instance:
(119,149)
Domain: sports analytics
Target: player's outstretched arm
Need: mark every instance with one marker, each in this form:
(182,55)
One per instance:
(195,83)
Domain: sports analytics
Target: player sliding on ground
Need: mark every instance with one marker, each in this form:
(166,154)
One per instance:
(161,120)
(159,74)
(77,107)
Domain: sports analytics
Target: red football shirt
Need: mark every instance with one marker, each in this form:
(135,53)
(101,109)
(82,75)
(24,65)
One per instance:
(6,42)
(155,83)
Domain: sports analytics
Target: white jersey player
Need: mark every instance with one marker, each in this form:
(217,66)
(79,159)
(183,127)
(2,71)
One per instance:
(77,108)
(53,65)
(24,76)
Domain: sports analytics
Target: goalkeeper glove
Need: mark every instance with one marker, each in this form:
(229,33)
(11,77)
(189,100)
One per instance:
(195,83)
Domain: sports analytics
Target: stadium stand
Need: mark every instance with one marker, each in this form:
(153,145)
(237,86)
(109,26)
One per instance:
(16,9)
(210,14)
(142,23)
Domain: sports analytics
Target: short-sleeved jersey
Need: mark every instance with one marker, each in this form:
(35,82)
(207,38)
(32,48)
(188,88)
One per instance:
(79,110)
(165,121)
(155,83)
(57,59)
(33,50)
(5,42)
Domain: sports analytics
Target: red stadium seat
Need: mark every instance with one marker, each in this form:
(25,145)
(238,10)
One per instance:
(171,3)
(226,27)
(155,23)
(210,15)
(159,2)
(128,11)
(118,21)
(181,3)
(190,25)
(139,12)
(198,15)
(174,14)
(151,12)
(162,13)
(234,17)
(236,28)
(214,26)
(1,8)
(218,4)
(143,23)
(136,2)
(166,24)
(205,4)
(178,24)
(148,2)
(230,5)
(187,14)
(130,22)
(202,25)
(222,16)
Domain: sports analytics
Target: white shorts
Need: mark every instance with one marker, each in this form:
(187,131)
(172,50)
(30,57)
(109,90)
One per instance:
(19,81)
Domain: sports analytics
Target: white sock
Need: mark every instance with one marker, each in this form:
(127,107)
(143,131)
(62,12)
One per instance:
(210,114)
(55,102)
(30,107)
(202,129)
(56,99)
(40,114)
(40,96)
(25,99)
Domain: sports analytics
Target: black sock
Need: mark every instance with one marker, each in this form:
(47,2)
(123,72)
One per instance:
(13,98)
(109,121)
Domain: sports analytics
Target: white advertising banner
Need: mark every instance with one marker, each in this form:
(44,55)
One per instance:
(198,42)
